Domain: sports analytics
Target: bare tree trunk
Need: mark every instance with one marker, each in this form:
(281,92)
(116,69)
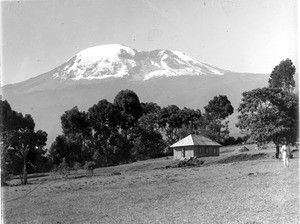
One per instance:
(277,151)
(24,171)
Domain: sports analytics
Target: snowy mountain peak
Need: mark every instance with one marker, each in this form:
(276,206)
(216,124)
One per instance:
(109,52)
(115,60)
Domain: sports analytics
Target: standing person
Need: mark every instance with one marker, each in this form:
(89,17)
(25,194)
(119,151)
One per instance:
(285,151)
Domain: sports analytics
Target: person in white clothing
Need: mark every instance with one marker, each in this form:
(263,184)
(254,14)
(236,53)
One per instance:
(285,151)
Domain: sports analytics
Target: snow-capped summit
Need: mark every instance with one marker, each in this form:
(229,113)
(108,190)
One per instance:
(110,51)
(115,60)
(112,60)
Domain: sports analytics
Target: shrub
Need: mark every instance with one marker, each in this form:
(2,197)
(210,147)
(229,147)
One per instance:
(89,166)
(62,169)
(187,163)
(77,166)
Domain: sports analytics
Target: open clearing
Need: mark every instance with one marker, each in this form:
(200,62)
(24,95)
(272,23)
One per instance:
(232,188)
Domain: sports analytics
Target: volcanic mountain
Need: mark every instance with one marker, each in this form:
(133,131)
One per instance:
(119,61)
(161,76)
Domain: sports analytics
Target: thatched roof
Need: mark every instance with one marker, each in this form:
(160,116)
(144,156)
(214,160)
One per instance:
(192,140)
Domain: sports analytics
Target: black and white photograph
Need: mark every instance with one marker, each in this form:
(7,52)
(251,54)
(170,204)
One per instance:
(149,111)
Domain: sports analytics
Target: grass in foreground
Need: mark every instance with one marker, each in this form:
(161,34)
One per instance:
(253,191)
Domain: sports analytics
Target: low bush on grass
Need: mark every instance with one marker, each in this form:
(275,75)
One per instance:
(187,163)
(62,169)
(89,166)
(243,157)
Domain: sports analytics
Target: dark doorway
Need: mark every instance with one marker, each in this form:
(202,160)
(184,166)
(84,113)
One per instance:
(183,152)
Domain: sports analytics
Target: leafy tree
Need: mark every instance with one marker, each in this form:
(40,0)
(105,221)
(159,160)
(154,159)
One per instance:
(148,141)
(130,110)
(118,149)
(149,144)
(169,121)
(19,140)
(269,114)
(150,108)
(150,118)
(177,123)
(215,129)
(75,122)
(103,120)
(149,122)
(190,122)
(37,156)
(219,107)
(69,149)
(103,117)
(103,134)
(217,110)
(282,76)
(185,131)
(190,117)
(77,130)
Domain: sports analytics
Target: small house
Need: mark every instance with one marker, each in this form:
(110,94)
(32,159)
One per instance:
(195,146)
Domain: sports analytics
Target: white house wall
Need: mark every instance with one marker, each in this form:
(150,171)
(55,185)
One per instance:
(195,151)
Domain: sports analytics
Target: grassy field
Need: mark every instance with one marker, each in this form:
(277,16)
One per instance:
(250,187)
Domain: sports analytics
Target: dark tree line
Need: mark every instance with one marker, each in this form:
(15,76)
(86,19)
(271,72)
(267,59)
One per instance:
(128,130)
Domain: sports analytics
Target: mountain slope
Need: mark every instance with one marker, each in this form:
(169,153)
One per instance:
(161,76)
(117,61)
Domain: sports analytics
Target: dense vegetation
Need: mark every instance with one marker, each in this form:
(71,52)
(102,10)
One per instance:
(107,134)
(127,130)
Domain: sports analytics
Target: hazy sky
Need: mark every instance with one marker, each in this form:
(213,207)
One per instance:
(238,35)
